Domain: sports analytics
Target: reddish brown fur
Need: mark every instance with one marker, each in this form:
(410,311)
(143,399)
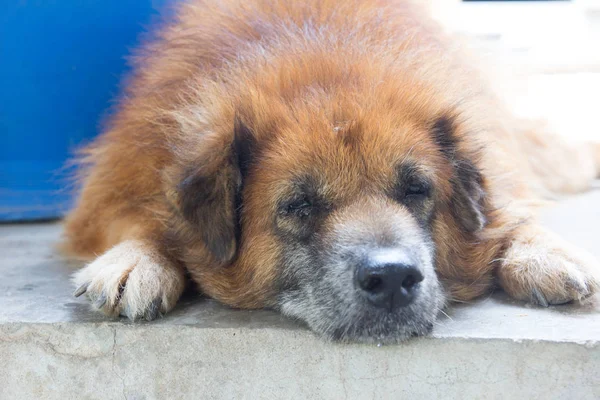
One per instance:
(378,67)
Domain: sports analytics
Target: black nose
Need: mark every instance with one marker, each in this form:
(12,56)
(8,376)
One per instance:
(388,285)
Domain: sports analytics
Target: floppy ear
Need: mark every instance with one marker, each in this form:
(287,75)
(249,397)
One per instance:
(468,196)
(467,203)
(209,197)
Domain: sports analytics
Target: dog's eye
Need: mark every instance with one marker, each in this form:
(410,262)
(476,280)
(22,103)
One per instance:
(301,207)
(416,190)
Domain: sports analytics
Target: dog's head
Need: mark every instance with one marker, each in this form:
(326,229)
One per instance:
(330,208)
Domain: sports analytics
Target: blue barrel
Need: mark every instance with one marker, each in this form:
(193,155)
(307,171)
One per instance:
(61,62)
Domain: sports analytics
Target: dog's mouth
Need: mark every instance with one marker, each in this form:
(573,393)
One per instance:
(390,329)
(359,322)
(378,295)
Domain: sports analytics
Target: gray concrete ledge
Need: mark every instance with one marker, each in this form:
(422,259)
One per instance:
(53,347)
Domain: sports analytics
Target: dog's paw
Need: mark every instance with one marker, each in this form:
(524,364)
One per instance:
(540,267)
(131,279)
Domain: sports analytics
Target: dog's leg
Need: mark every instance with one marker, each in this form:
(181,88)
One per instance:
(132,279)
(540,267)
(561,167)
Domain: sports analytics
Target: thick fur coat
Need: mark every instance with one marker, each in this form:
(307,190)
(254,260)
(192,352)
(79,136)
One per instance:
(270,149)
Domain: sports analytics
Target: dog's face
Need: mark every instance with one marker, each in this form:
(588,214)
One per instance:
(334,218)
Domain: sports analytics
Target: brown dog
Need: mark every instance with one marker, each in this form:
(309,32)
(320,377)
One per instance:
(338,161)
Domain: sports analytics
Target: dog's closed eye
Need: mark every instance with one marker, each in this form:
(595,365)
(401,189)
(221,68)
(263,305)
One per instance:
(301,207)
(416,191)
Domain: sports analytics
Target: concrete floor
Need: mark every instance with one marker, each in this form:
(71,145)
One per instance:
(53,346)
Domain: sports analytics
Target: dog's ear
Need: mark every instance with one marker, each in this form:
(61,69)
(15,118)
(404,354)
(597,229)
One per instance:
(209,196)
(468,198)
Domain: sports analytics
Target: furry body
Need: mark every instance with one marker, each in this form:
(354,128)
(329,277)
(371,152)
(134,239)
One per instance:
(267,148)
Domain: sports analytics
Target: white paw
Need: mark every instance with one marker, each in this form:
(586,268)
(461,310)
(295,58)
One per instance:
(131,279)
(544,269)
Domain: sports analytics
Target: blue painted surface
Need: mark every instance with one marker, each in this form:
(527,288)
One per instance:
(61,62)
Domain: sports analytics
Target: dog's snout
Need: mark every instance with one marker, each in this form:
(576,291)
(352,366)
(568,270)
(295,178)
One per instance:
(388,279)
